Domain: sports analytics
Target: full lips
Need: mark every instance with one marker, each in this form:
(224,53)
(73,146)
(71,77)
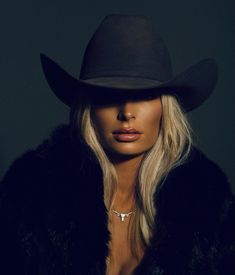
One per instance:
(126,137)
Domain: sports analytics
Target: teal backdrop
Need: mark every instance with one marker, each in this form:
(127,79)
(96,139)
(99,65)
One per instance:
(61,29)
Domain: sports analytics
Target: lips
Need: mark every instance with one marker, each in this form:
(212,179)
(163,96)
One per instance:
(126,134)
(126,131)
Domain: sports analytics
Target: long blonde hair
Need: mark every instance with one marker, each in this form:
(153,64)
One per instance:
(170,150)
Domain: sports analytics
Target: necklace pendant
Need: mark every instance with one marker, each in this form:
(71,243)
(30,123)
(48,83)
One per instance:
(122,215)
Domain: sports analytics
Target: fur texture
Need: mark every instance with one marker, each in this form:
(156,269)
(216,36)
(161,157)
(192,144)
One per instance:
(53,219)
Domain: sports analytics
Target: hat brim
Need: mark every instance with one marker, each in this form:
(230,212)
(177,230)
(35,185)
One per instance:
(191,87)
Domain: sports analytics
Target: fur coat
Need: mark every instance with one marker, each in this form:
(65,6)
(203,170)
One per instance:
(53,219)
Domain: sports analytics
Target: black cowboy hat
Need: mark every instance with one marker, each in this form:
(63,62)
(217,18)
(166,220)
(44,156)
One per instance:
(126,55)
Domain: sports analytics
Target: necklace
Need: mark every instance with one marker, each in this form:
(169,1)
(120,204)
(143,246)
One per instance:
(123,215)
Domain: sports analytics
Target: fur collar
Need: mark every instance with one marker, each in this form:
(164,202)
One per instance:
(61,198)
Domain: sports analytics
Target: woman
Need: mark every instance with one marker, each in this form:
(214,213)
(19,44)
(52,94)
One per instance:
(122,189)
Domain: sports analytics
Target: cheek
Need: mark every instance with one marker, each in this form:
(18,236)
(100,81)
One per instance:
(153,123)
(102,123)
(152,132)
(157,124)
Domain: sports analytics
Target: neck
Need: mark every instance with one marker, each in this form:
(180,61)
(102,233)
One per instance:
(127,174)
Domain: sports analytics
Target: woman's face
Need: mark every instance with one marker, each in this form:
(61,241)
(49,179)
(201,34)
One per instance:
(127,128)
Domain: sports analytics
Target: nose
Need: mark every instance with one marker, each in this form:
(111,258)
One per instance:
(126,111)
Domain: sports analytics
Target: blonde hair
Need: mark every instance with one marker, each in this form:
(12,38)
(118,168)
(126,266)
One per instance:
(170,150)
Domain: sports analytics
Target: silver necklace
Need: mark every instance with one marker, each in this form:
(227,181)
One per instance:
(123,215)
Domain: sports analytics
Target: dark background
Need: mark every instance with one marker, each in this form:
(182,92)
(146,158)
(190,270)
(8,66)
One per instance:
(61,29)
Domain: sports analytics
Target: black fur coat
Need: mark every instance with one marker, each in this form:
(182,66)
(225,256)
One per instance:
(53,220)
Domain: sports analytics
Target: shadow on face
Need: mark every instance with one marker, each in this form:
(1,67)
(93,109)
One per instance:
(120,98)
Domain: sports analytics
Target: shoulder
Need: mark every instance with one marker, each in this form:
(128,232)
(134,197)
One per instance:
(27,169)
(56,158)
(56,147)
(201,173)
(197,192)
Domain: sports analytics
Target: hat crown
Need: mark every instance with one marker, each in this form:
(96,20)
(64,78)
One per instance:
(126,45)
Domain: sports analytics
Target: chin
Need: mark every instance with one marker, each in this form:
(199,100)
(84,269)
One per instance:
(127,151)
